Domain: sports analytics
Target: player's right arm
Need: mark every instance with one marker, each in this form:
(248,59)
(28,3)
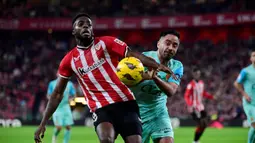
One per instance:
(120,49)
(151,63)
(55,99)
(239,85)
(187,94)
(65,72)
(188,97)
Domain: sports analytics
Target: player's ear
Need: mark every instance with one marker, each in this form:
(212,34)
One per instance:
(158,44)
(73,32)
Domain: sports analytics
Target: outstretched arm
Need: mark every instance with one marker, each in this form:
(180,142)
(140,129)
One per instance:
(53,103)
(149,62)
(55,99)
(207,95)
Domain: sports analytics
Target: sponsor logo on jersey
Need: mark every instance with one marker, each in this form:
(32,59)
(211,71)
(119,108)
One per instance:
(95,65)
(97,46)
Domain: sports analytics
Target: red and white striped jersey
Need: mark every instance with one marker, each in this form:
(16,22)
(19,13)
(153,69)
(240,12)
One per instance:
(194,93)
(95,68)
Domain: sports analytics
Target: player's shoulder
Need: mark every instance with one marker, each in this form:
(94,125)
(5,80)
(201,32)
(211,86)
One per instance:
(69,53)
(190,84)
(70,83)
(177,63)
(111,39)
(107,39)
(245,69)
(71,50)
(250,67)
(201,81)
(150,53)
(52,82)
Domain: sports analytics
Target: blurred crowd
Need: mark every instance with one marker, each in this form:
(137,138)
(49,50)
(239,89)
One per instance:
(27,65)
(103,8)
(29,60)
(220,64)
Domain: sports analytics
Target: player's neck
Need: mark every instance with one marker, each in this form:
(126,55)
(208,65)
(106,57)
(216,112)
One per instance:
(253,64)
(84,43)
(163,61)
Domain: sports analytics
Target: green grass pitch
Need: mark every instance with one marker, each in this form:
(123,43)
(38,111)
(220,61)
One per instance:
(87,135)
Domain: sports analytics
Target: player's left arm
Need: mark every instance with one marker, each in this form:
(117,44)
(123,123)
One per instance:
(170,87)
(238,84)
(207,95)
(120,49)
(149,62)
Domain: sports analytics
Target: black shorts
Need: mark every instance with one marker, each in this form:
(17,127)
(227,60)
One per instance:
(199,115)
(124,116)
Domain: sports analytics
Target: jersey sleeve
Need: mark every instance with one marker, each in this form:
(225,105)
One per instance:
(65,70)
(188,94)
(72,91)
(179,73)
(241,76)
(148,55)
(115,46)
(50,89)
(207,95)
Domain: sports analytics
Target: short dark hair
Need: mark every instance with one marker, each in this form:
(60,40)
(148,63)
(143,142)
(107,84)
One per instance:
(173,32)
(251,51)
(195,69)
(80,15)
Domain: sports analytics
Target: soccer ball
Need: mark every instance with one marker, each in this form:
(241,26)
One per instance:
(130,70)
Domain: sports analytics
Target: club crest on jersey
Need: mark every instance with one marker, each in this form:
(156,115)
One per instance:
(95,65)
(76,58)
(97,46)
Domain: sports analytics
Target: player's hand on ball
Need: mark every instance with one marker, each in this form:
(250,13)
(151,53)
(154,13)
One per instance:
(150,74)
(167,70)
(39,133)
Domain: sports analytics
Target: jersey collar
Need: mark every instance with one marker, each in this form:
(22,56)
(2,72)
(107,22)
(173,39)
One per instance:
(83,47)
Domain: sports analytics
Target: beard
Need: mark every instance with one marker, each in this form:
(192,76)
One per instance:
(85,41)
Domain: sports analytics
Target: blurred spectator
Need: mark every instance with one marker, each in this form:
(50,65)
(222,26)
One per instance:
(103,8)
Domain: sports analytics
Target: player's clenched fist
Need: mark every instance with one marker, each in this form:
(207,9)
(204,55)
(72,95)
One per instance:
(40,131)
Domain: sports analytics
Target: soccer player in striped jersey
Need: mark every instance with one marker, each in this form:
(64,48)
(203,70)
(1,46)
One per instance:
(94,61)
(193,96)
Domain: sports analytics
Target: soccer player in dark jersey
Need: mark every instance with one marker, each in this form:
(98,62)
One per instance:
(94,61)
